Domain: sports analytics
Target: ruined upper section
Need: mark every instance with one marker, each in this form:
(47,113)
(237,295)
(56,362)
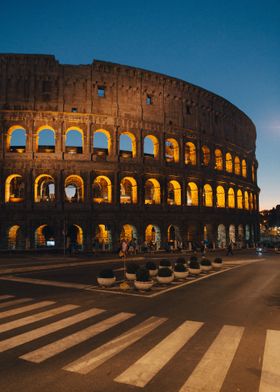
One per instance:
(41,83)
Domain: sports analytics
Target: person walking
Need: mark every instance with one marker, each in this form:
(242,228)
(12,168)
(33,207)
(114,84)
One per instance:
(229,249)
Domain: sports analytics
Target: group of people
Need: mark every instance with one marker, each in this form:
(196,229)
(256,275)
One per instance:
(128,247)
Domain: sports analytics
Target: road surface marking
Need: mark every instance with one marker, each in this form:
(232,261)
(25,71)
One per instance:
(143,370)
(24,309)
(270,378)
(23,338)
(69,341)
(14,302)
(2,297)
(37,317)
(211,371)
(108,350)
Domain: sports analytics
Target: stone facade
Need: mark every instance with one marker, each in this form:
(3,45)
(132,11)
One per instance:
(38,93)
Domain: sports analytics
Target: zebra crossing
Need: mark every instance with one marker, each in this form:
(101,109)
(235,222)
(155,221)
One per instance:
(215,362)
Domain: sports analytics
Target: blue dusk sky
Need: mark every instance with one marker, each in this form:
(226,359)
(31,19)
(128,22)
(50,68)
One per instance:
(229,47)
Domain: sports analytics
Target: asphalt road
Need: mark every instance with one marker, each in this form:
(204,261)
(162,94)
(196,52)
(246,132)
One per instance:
(219,333)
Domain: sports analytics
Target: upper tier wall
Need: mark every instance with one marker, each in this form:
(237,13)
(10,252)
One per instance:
(40,83)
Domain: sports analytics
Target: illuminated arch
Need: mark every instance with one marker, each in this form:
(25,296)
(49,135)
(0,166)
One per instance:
(229,162)
(231,233)
(207,196)
(218,159)
(74,189)
(190,154)
(246,200)
(152,236)
(75,236)
(151,146)
(222,236)
(15,238)
(45,139)
(173,235)
(152,191)
(244,168)
(255,202)
(44,188)
(102,190)
(192,194)
(127,152)
(251,202)
(205,158)
(237,167)
(128,191)
(76,145)
(172,150)
(16,139)
(128,233)
(239,199)
(174,193)
(231,198)
(247,233)
(220,194)
(253,173)
(103,238)
(105,147)
(14,189)
(240,231)
(44,236)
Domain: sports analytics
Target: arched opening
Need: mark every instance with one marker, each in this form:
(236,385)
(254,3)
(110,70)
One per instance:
(239,199)
(231,198)
(246,200)
(128,233)
(74,237)
(207,196)
(190,154)
(231,233)
(174,237)
(244,168)
(44,189)
(171,150)
(74,141)
(16,139)
(103,238)
(247,233)
(14,189)
(253,173)
(205,156)
(222,237)
(240,230)
(102,190)
(152,237)
(44,237)
(251,202)
(15,238)
(151,147)
(255,203)
(192,194)
(127,145)
(45,140)
(74,189)
(128,191)
(152,191)
(221,199)
(237,167)
(228,162)
(174,193)
(218,160)
(102,143)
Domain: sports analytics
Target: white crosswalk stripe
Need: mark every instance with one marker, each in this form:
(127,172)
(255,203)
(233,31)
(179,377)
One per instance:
(98,356)
(57,347)
(211,371)
(143,370)
(24,309)
(26,337)
(8,326)
(14,302)
(270,379)
(2,297)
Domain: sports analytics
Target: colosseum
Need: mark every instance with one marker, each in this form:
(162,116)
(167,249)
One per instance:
(93,154)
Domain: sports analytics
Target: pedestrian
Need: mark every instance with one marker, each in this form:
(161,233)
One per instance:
(229,248)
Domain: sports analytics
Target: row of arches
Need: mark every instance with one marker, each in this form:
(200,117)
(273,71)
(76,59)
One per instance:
(45,236)
(45,191)
(102,147)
